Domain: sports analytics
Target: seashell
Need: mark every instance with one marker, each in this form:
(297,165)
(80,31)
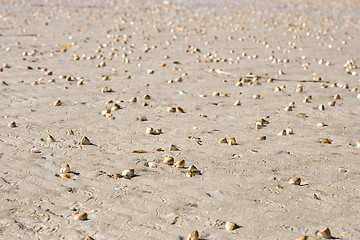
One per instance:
(173,148)
(306,100)
(50,139)
(342,170)
(34,150)
(106,90)
(299,89)
(89,238)
(354,90)
(337,96)
(133,100)
(302,238)
(171,109)
(81,216)
(115,107)
(292,104)
(358,143)
(223,95)
(258,125)
(144,104)
(256,96)
(57,103)
(65,169)
(279,186)
(237,103)
(146,97)
(321,107)
(64,175)
(326,141)
(168,160)
(85,141)
(152,165)
(149,130)
(70,132)
(295,181)
(105,111)
(232,141)
(129,173)
(263,121)
(320,124)
(230,226)
(150,71)
(80,82)
(190,173)
(261,138)
(288,109)
(332,103)
(289,131)
(215,94)
(270,80)
(179,110)
(222,140)
(179,164)
(238,84)
(324,233)
(277,89)
(12,125)
(194,235)
(282,133)
(192,168)
(253,150)
(142,118)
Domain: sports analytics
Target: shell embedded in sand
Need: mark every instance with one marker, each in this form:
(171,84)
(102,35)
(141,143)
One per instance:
(324,233)
(173,148)
(85,141)
(326,141)
(57,103)
(256,96)
(332,103)
(133,100)
(230,226)
(222,140)
(34,150)
(179,164)
(171,109)
(237,103)
(151,165)
(232,141)
(149,130)
(194,235)
(12,125)
(50,139)
(65,169)
(115,107)
(190,173)
(289,131)
(70,132)
(261,138)
(81,216)
(337,96)
(128,173)
(168,160)
(282,133)
(342,170)
(89,238)
(179,110)
(288,109)
(64,175)
(105,111)
(258,125)
(299,89)
(146,97)
(320,124)
(321,107)
(295,181)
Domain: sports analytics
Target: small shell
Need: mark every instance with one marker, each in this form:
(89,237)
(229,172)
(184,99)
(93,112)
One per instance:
(261,138)
(171,109)
(358,143)
(215,94)
(89,238)
(306,100)
(85,141)
(173,148)
(342,170)
(190,173)
(70,132)
(289,131)
(299,89)
(115,107)
(258,125)
(149,130)
(34,150)
(295,181)
(179,164)
(277,89)
(320,124)
(81,216)
(256,96)
(65,169)
(168,160)
(332,103)
(128,173)
(321,107)
(282,133)
(232,141)
(50,139)
(57,103)
(288,109)
(326,141)
(279,186)
(64,175)
(147,97)
(222,140)
(337,96)
(179,110)
(230,226)
(292,104)
(12,125)
(152,165)
(324,233)
(105,111)
(133,100)
(237,103)
(194,235)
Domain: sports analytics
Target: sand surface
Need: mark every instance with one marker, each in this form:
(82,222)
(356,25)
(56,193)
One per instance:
(48,48)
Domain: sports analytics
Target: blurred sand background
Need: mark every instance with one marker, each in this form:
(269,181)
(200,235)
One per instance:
(117,44)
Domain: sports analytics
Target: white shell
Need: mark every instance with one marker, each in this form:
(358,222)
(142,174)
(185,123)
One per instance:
(128,173)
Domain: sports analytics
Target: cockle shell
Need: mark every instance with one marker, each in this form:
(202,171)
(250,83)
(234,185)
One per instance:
(81,216)
(50,139)
(222,140)
(295,181)
(65,169)
(64,175)
(168,160)
(57,103)
(12,125)
(129,173)
(324,233)
(194,235)
(85,141)
(230,226)
(179,164)
(232,141)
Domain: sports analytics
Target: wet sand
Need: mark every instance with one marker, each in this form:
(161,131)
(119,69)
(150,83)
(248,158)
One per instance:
(199,57)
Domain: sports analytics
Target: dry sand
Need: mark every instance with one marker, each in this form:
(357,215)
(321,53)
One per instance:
(304,40)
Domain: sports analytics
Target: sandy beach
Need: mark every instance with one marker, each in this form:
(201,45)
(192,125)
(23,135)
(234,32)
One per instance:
(261,99)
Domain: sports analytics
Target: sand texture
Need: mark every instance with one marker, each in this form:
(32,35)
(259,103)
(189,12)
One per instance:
(228,69)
